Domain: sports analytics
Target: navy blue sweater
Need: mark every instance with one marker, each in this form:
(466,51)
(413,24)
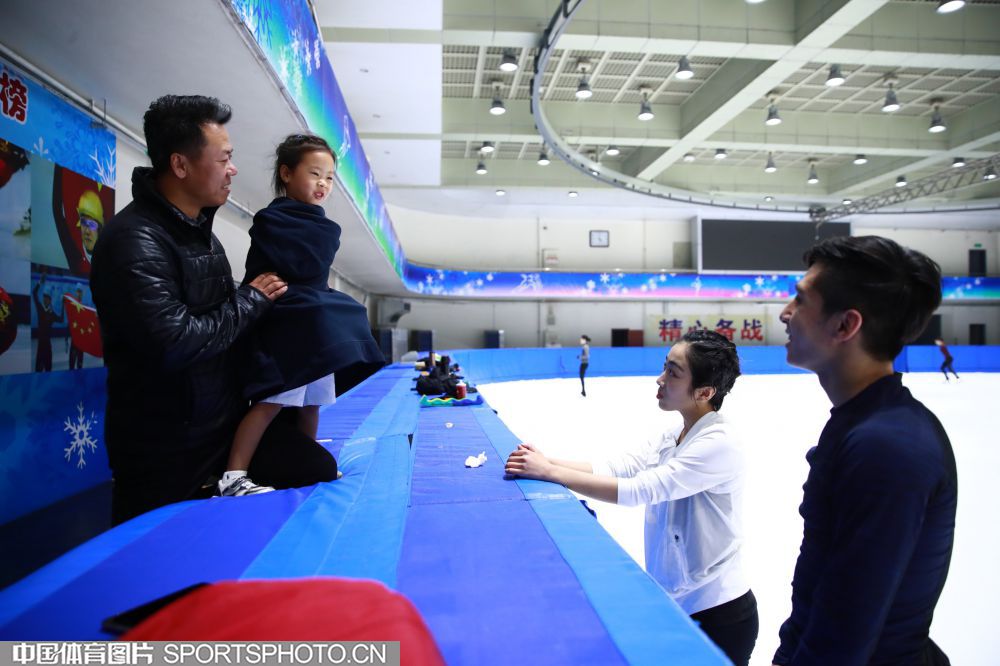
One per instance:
(879,522)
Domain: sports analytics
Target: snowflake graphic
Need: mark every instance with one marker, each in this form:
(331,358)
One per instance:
(40,148)
(530,282)
(105,169)
(345,144)
(759,281)
(81,437)
(591,285)
(604,278)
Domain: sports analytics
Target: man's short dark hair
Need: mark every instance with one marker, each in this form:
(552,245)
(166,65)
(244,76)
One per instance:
(173,124)
(895,289)
(713,361)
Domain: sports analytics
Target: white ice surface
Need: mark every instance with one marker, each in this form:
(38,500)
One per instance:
(781,417)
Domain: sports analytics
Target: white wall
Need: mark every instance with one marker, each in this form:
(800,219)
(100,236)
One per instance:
(515,243)
(461,324)
(498,243)
(950,248)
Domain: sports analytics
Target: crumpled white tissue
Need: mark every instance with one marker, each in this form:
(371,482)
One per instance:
(475,461)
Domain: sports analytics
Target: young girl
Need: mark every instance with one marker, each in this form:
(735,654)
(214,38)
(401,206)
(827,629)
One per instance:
(312,331)
(691,481)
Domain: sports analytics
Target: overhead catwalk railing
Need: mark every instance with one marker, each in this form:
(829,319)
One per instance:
(953,178)
(591,167)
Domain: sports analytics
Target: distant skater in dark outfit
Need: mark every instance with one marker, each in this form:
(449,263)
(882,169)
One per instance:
(946,365)
(584,357)
(313,331)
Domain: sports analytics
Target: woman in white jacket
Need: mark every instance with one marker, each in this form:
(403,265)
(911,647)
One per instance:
(691,482)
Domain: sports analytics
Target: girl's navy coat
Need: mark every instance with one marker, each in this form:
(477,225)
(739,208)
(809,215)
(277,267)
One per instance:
(312,330)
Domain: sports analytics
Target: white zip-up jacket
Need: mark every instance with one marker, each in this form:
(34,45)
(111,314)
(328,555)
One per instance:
(693,495)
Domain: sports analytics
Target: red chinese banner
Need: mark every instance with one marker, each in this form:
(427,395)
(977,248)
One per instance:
(743,329)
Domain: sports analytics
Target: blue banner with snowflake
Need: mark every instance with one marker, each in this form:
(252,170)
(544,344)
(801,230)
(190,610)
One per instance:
(45,125)
(621,285)
(51,438)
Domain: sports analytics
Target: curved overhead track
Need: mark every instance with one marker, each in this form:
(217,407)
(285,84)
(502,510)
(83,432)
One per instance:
(557,25)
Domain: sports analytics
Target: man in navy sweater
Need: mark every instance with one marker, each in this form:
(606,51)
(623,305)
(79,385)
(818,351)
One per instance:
(879,501)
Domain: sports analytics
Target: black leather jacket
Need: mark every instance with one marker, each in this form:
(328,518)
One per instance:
(170,315)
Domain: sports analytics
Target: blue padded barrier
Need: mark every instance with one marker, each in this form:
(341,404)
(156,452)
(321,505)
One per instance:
(967,358)
(190,546)
(357,533)
(32,589)
(473,524)
(501,365)
(627,602)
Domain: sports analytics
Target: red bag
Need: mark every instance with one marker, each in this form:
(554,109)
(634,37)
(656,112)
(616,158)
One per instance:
(303,609)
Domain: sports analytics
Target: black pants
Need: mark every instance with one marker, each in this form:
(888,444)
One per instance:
(286,458)
(583,371)
(732,626)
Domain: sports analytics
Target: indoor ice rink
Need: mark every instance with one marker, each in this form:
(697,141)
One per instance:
(780,417)
(285,283)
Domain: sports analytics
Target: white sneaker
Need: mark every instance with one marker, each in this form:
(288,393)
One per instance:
(242,485)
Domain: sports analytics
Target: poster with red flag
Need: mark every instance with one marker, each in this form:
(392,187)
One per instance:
(84,329)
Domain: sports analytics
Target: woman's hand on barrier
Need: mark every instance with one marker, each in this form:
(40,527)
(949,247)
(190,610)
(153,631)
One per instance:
(526,462)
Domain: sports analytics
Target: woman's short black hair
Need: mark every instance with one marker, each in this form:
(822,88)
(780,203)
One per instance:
(290,152)
(712,361)
(173,124)
(585,337)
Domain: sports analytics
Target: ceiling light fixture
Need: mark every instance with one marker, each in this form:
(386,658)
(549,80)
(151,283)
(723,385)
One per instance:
(508,63)
(689,157)
(847,202)
(772,116)
(860,159)
(770,166)
(937,122)
(583,90)
(481,168)
(613,151)
(645,110)
(768,198)
(497,108)
(487,147)
(901,181)
(891,104)
(958,162)
(684,71)
(720,154)
(501,193)
(572,194)
(990,174)
(813,176)
(949,6)
(754,2)
(543,158)
(835,78)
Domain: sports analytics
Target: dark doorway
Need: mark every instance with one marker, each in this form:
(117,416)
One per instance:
(977,334)
(977,263)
